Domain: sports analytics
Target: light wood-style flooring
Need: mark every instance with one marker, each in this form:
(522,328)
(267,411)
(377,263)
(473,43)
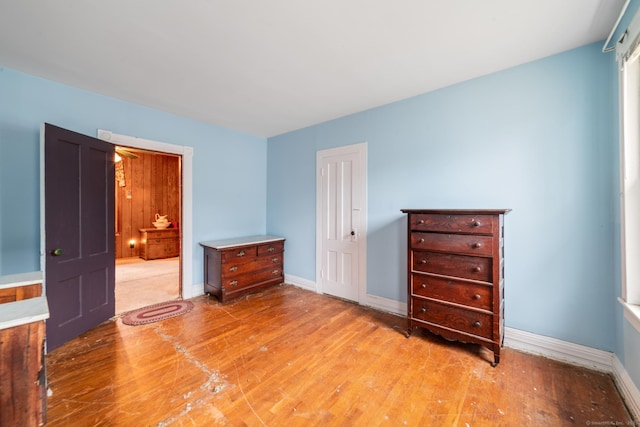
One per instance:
(141,283)
(290,357)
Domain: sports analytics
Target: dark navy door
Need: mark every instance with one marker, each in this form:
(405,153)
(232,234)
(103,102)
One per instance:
(79,233)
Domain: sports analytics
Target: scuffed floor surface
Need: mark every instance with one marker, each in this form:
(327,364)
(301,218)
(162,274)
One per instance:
(290,357)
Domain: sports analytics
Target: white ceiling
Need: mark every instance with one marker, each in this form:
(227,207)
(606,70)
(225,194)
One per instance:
(266,67)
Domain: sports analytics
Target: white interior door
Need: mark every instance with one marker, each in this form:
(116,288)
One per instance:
(341,227)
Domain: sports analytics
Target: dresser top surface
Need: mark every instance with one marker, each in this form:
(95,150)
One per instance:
(458,211)
(24,311)
(21,279)
(241,241)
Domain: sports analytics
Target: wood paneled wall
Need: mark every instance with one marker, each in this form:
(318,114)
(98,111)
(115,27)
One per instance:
(152,185)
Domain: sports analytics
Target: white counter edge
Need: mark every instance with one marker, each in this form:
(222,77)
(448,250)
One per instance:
(25,311)
(240,241)
(21,279)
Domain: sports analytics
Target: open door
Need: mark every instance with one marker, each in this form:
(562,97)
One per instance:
(79,248)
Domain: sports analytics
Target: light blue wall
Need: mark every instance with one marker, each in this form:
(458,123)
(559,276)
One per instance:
(539,139)
(229,168)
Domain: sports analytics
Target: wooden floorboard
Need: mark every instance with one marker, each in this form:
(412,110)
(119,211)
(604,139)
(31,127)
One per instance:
(290,357)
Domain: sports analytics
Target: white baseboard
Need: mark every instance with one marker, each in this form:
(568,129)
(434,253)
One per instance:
(194,291)
(373,301)
(628,389)
(386,304)
(580,355)
(559,350)
(309,285)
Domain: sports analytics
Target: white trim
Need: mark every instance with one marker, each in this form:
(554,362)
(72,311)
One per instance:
(387,305)
(579,355)
(42,212)
(361,150)
(186,222)
(197,289)
(553,348)
(628,390)
(373,301)
(631,313)
(309,285)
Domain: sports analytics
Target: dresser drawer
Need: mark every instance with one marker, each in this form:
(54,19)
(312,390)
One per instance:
(457,243)
(237,253)
(162,234)
(162,248)
(456,291)
(467,267)
(271,248)
(459,223)
(251,279)
(471,322)
(242,265)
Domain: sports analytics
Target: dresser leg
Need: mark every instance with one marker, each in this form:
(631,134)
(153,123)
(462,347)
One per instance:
(496,359)
(410,330)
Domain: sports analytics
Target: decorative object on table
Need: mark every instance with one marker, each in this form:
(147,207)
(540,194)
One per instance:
(156,312)
(161,221)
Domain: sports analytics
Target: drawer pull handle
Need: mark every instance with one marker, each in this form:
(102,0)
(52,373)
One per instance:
(477,269)
(275,259)
(424,285)
(477,224)
(421,221)
(241,253)
(477,296)
(423,310)
(233,283)
(421,241)
(233,268)
(477,324)
(276,272)
(423,261)
(477,245)
(271,249)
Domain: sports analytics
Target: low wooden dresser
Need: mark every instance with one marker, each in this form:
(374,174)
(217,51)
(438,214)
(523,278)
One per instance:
(235,267)
(456,274)
(156,243)
(23,383)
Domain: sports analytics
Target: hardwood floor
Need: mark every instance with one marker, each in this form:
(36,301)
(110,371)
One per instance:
(287,356)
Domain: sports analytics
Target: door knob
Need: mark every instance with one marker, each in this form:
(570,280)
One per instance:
(56,252)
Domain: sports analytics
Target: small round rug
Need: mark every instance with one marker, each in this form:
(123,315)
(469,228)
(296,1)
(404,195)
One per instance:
(156,312)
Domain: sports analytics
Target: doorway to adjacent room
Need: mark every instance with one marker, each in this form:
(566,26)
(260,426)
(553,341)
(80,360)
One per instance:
(147,227)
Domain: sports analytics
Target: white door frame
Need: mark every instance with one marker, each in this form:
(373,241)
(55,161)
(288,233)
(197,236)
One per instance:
(361,150)
(186,222)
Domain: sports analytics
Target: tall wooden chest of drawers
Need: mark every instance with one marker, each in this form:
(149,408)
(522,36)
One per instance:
(456,274)
(235,267)
(156,243)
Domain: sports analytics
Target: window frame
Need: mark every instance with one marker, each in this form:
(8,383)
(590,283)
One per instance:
(628,54)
